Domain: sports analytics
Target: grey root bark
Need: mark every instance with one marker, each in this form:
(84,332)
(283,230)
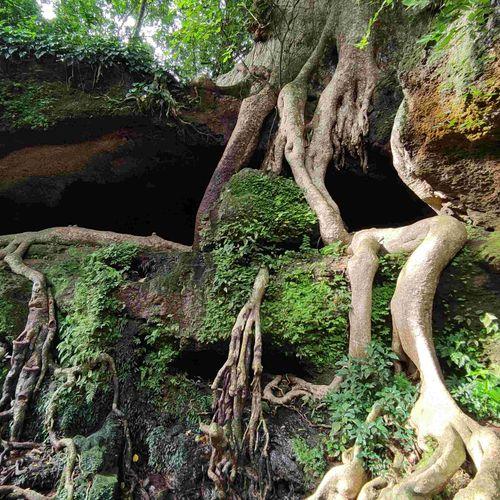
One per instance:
(73,235)
(239,380)
(238,152)
(31,360)
(30,350)
(338,127)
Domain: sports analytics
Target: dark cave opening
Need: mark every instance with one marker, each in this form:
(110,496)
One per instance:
(377,198)
(153,181)
(205,363)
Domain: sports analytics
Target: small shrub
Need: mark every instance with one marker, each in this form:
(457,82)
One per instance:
(310,458)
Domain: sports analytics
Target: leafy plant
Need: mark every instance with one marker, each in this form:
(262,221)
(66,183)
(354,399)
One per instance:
(311,458)
(153,98)
(160,351)
(94,322)
(367,382)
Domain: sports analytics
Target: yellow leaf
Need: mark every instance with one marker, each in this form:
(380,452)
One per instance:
(135,457)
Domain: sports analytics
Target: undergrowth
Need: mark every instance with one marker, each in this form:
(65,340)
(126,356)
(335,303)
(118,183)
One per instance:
(94,322)
(367,382)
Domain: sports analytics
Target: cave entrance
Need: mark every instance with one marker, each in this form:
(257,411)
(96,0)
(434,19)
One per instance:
(377,198)
(139,180)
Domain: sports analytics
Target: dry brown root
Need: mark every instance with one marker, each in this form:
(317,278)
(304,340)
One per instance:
(231,387)
(299,388)
(30,350)
(434,242)
(67,443)
(72,235)
(242,143)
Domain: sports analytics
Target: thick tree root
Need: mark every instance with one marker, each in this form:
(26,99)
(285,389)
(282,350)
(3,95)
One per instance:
(433,242)
(73,235)
(238,152)
(230,443)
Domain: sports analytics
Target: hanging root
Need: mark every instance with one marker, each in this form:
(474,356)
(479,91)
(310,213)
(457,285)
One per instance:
(229,441)
(238,152)
(31,349)
(339,126)
(434,242)
(67,443)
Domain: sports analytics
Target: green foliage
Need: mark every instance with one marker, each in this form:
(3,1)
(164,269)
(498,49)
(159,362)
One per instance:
(463,343)
(311,458)
(73,48)
(160,350)
(454,19)
(185,399)
(153,98)
(367,382)
(260,217)
(94,322)
(473,383)
(307,316)
(385,284)
(208,36)
(490,249)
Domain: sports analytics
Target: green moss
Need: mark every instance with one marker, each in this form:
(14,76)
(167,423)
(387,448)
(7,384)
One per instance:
(307,316)
(259,209)
(94,323)
(260,218)
(185,400)
(163,454)
(39,105)
(91,461)
(104,487)
(14,295)
(490,249)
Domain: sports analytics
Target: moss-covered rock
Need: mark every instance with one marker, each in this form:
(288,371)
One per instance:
(257,208)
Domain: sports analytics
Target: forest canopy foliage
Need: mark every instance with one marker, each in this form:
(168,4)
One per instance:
(188,37)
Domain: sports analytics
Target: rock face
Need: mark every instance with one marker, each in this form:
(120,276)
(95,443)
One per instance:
(445,137)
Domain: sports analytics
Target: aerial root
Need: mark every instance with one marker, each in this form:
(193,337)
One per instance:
(433,243)
(238,151)
(31,349)
(68,444)
(232,388)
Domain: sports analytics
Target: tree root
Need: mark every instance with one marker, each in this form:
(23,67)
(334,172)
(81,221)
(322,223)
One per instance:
(12,492)
(73,235)
(30,351)
(67,443)
(299,388)
(434,242)
(229,442)
(242,143)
